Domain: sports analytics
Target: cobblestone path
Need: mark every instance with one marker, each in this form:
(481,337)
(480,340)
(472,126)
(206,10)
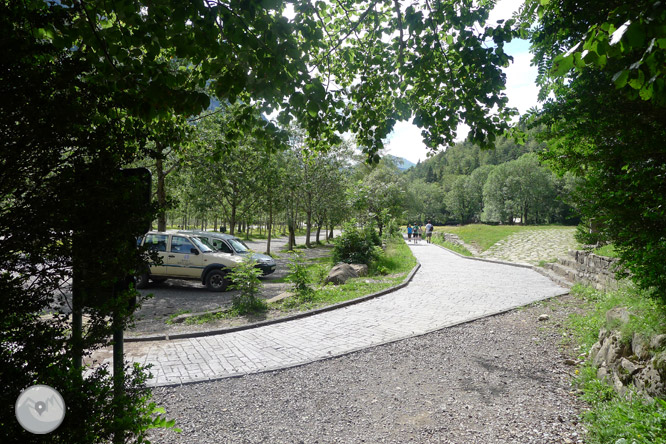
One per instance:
(447,290)
(530,247)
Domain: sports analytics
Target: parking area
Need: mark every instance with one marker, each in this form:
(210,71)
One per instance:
(179,296)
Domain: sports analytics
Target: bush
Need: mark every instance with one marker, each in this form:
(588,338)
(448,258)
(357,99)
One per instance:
(245,278)
(300,278)
(356,245)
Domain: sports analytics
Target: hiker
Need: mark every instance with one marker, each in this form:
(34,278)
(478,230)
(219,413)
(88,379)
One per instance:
(416,234)
(428,229)
(409,232)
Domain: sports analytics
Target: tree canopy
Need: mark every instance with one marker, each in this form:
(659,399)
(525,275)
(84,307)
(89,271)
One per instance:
(353,65)
(604,62)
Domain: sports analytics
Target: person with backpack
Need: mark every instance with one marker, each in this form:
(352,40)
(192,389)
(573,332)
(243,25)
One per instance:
(428,230)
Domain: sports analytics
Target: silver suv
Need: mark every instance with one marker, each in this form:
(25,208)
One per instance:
(186,257)
(227,243)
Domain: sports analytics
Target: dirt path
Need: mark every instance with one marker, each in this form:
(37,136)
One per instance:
(503,379)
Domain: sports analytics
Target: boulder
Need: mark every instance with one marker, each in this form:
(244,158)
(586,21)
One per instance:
(340,274)
(361,269)
(610,352)
(594,351)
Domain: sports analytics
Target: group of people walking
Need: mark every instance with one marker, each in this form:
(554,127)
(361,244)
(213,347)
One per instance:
(415,233)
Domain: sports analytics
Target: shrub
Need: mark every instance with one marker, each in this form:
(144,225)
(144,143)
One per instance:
(355,245)
(300,277)
(245,278)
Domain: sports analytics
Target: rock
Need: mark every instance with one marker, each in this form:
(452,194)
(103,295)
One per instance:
(629,367)
(659,363)
(612,349)
(543,317)
(650,381)
(617,316)
(626,370)
(340,274)
(280,297)
(603,334)
(658,342)
(640,346)
(602,373)
(594,351)
(600,357)
(361,269)
(618,385)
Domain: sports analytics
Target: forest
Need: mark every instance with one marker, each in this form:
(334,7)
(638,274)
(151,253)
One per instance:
(507,184)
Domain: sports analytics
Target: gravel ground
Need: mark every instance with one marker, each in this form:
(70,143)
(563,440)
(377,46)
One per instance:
(502,379)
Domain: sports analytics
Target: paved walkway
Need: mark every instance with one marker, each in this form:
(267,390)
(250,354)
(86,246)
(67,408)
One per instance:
(447,290)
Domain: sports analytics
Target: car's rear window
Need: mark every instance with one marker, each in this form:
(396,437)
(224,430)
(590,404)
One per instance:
(157,242)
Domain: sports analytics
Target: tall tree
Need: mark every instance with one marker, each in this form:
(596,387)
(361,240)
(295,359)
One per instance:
(231,156)
(604,62)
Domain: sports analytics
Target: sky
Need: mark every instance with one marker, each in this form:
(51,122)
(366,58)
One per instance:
(406,140)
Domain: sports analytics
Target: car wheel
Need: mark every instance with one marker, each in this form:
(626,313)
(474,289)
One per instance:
(141,281)
(216,280)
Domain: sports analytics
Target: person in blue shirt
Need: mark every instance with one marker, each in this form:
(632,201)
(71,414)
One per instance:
(409,232)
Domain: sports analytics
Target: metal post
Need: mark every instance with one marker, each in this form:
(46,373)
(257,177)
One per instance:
(118,375)
(77,316)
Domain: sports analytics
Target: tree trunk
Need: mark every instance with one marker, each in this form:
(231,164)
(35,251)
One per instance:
(330,234)
(161,191)
(308,228)
(269,227)
(292,235)
(319,225)
(232,221)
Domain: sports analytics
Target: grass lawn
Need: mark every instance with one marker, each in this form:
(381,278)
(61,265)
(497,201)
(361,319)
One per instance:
(484,236)
(388,271)
(606,250)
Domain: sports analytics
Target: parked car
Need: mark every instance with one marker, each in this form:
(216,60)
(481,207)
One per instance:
(227,243)
(186,257)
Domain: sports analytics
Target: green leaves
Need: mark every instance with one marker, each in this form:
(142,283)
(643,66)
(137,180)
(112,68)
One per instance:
(562,65)
(632,38)
(620,78)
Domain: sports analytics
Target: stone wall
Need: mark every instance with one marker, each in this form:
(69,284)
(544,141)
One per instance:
(583,267)
(598,271)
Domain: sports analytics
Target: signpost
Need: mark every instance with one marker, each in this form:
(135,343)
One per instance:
(127,195)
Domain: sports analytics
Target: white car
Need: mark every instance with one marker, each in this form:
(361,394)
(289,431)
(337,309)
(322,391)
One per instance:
(186,257)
